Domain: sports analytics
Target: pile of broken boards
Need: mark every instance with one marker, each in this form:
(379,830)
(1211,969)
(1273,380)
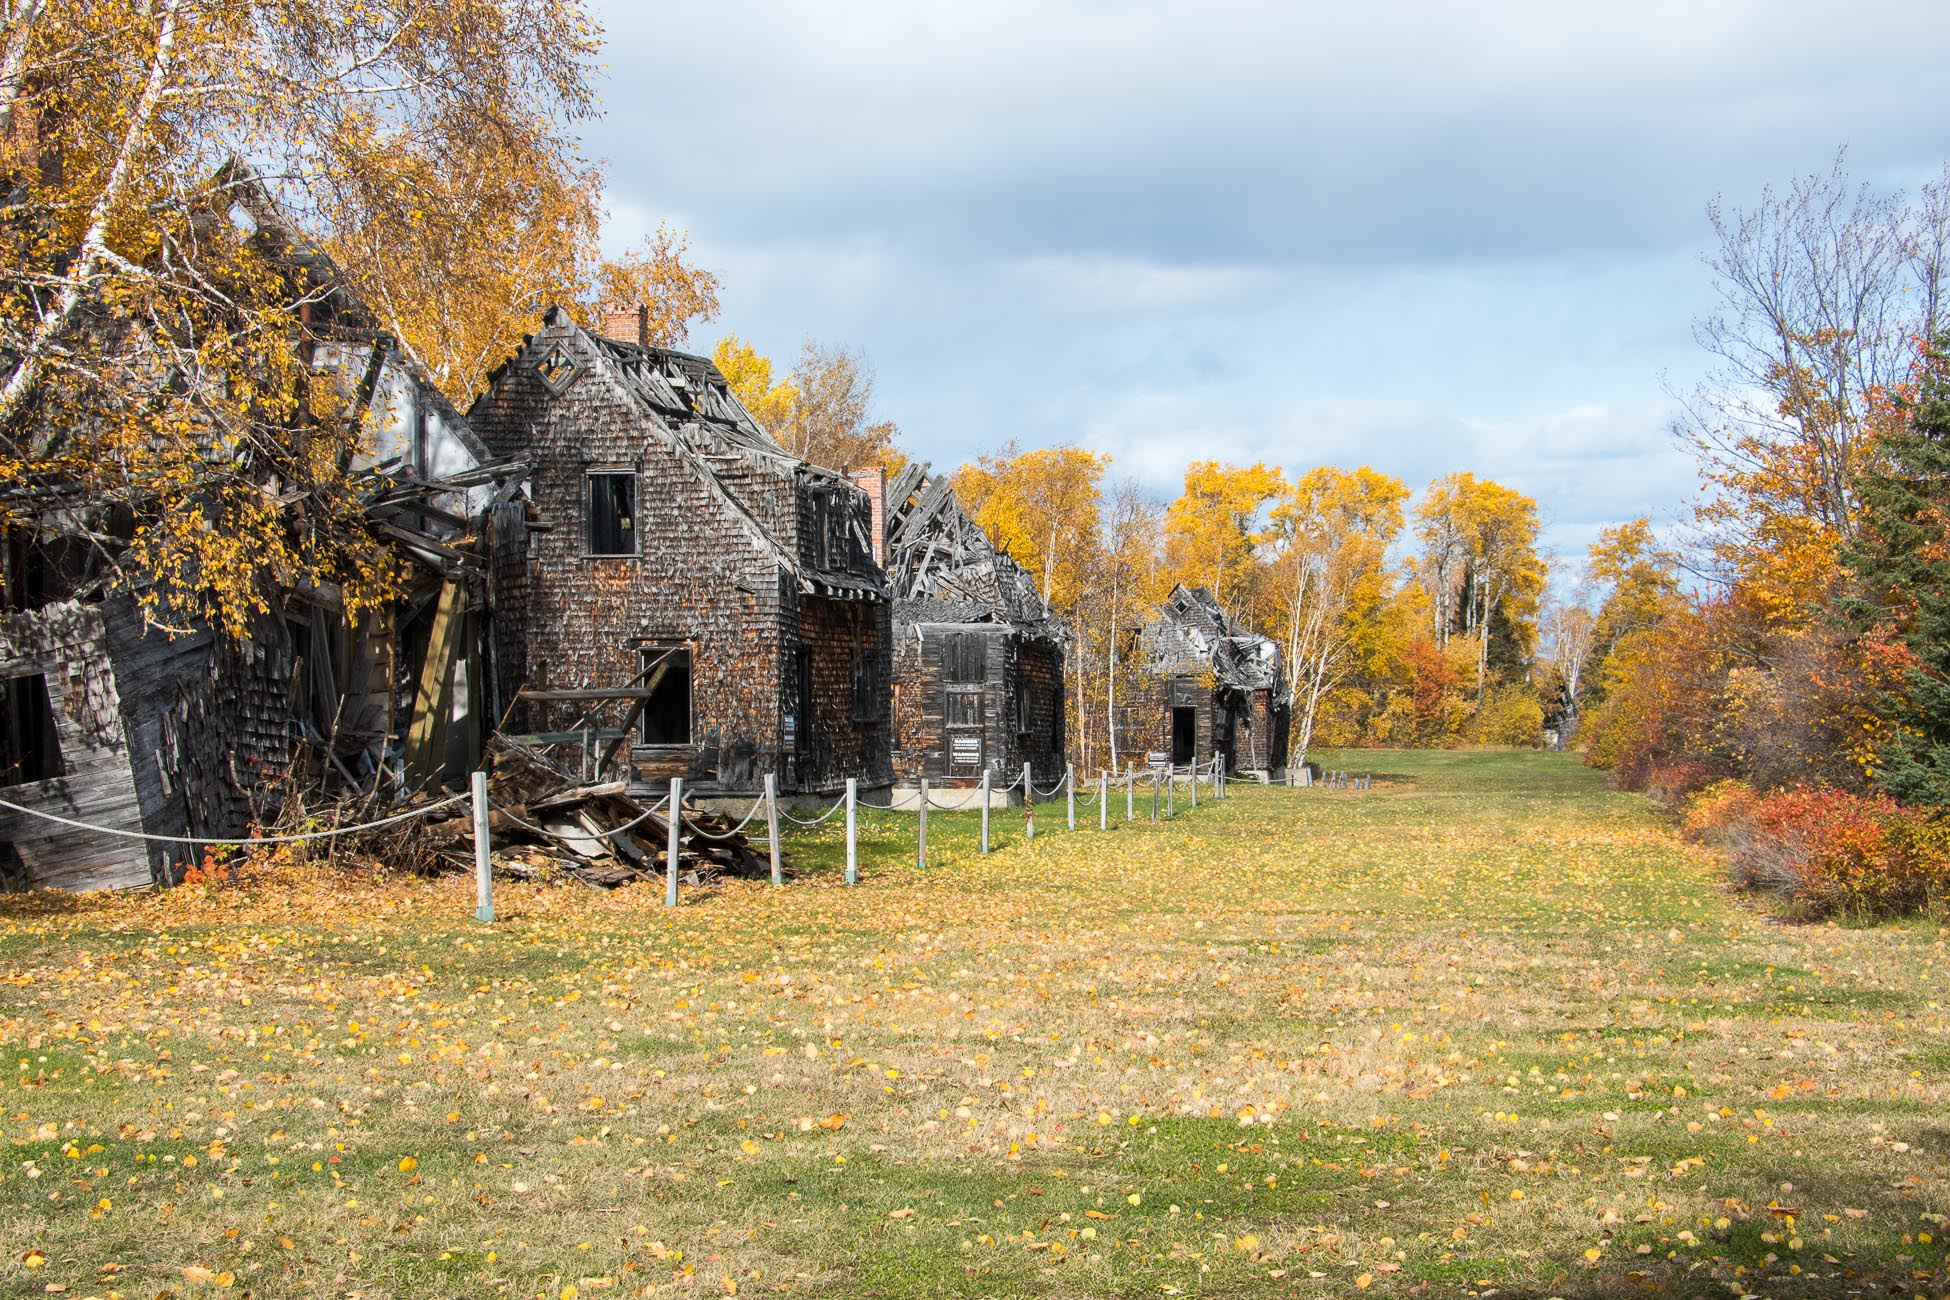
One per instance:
(544,823)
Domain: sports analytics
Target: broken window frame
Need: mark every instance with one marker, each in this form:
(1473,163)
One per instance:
(30,739)
(628,526)
(557,370)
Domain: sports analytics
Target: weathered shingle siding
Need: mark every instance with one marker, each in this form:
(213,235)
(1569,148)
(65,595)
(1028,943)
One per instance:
(573,621)
(714,520)
(1039,669)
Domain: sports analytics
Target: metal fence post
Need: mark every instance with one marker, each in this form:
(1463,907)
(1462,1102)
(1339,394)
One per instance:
(772,823)
(483,852)
(852,831)
(1129,780)
(1193,767)
(921,841)
(1103,799)
(985,810)
(1171,790)
(675,821)
(1154,794)
(1070,784)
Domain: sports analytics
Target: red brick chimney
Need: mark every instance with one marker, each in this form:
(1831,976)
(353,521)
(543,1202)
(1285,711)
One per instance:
(874,483)
(627,324)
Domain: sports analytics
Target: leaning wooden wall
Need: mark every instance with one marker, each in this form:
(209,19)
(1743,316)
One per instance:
(66,644)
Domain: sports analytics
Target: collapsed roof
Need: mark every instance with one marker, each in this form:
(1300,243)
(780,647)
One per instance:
(689,405)
(944,569)
(1193,634)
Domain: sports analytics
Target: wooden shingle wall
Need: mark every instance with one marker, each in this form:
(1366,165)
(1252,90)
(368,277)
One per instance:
(728,529)
(574,622)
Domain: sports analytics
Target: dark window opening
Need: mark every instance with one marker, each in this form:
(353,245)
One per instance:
(1025,709)
(869,685)
(799,722)
(1184,734)
(32,744)
(667,710)
(964,658)
(612,514)
(316,672)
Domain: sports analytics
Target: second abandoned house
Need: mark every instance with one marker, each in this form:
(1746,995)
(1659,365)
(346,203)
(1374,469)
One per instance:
(706,605)
(978,656)
(1207,686)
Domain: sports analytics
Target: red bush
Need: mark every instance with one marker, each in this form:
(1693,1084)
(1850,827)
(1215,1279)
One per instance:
(1834,853)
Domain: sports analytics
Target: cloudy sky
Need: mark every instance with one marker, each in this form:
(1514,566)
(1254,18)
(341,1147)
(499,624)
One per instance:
(1426,236)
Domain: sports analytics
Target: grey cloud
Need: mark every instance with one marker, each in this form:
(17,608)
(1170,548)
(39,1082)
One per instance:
(1417,234)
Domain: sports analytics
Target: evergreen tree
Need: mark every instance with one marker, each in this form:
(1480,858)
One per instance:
(1902,559)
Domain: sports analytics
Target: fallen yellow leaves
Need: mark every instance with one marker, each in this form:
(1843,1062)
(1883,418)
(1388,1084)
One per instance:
(1006,1063)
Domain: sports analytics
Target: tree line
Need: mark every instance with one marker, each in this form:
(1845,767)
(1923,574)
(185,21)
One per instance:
(1397,626)
(1780,666)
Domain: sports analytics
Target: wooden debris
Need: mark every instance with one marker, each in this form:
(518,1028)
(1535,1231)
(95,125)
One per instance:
(544,821)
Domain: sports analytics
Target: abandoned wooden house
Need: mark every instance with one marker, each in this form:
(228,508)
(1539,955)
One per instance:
(978,655)
(706,605)
(1208,686)
(112,722)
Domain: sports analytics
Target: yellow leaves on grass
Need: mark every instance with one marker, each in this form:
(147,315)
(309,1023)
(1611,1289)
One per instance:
(1427,1003)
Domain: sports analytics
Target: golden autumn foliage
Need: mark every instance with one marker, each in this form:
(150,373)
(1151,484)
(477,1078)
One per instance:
(176,175)
(750,375)
(1041,506)
(1329,536)
(1214,525)
(821,411)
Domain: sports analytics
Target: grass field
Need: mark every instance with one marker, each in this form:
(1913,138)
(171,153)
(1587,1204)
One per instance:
(1488,1027)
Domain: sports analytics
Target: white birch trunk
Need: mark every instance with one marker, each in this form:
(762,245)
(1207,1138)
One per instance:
(94,246)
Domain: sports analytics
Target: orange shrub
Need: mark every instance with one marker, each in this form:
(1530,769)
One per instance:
(1834,853)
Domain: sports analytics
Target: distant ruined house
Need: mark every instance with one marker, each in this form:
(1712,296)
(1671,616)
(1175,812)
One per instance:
(703,604)
(978,656)
(1207,686)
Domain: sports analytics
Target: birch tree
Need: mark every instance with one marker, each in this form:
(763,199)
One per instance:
(156,397)
(1330,535)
